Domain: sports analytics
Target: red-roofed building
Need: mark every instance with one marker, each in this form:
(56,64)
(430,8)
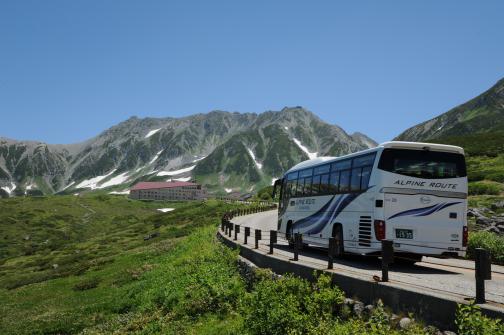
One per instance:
(174,190)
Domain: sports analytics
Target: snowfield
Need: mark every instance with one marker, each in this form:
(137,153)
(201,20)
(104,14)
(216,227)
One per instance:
(9,189)
(164,210)
(152,132)
(186,179)
(93,182)
(251,153)
(125,192)
(198,159)
(119,179)
(311,155)
(176,172)
(156,157)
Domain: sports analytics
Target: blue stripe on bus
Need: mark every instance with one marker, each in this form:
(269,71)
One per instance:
(424,211)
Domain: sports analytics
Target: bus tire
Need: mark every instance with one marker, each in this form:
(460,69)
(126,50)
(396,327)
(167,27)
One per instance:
(337,233)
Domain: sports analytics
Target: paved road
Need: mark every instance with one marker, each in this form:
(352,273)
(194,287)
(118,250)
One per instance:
(446,276)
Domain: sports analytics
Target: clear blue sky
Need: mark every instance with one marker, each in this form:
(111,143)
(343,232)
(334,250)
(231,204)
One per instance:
(71,69)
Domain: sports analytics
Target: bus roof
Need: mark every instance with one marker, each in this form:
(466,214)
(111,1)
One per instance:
(391,144)
(422,146)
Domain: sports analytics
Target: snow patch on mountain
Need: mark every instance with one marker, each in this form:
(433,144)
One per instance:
(198,159)
(164,210)
(156,157)
(117,180)
(311,155)
(125,192)
(9,189)
(64,188)
(93,182)
(152,132)
(186,179)
(176,172)
(251,153)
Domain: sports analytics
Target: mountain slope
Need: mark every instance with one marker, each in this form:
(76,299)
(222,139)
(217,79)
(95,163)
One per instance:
(477,125)
(274,143)
(221,149)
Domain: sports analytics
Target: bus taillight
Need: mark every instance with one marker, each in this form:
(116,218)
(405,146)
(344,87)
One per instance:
(379,229)
(465,235)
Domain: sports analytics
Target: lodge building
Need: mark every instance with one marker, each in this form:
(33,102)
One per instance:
(174,190)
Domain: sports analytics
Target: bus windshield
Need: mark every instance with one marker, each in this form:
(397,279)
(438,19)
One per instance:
(423,164)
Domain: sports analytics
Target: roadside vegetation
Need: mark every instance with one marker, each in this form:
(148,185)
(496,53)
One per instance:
(182,281)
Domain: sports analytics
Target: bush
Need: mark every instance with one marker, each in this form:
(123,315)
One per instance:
(483,188)
(470,321)
(489,241)
(290,305)
(496,176)
(87,284)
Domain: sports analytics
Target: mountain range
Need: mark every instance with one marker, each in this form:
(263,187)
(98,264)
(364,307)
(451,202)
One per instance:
(227,152)
(477,125)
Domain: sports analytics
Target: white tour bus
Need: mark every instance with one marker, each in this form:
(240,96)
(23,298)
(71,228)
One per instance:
(412,193)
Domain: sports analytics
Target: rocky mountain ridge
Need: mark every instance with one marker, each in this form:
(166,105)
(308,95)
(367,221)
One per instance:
(225,151)
(479,118)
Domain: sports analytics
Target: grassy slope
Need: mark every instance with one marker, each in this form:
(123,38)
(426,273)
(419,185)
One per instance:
(183,282)
(95,241)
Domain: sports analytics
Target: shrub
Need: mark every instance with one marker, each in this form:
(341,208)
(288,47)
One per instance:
(496,176)
(290,305)
(86,284)
(489,241)
(483,188)
(470,321)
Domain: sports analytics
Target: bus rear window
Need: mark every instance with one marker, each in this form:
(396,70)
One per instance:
(423,164)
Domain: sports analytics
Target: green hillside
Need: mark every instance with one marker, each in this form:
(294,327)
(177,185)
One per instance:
(109,280)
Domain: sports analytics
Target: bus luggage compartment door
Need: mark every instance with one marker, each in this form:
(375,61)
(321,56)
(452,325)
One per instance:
(426,220)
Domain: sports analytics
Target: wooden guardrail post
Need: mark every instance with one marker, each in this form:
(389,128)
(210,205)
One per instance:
(298,240)
(236,231)
(247,234)
(273,240)
(387,254)
(257,238)
(331,251)
(483,271)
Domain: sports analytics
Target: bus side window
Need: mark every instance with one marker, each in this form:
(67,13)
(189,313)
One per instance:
(355,184)
(299,188)
(324,184)
(307,186)
(344,182)
(316,185)
(334,182)
(366,174)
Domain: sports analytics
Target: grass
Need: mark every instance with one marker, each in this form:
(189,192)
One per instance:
(109,280)
(69,262)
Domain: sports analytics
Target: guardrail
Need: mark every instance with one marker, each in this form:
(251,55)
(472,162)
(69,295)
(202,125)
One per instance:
(483,265)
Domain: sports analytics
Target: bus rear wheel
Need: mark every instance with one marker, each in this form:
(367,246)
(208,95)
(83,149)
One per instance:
(338,235)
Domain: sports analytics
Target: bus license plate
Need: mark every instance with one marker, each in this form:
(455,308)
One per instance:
(404,233)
